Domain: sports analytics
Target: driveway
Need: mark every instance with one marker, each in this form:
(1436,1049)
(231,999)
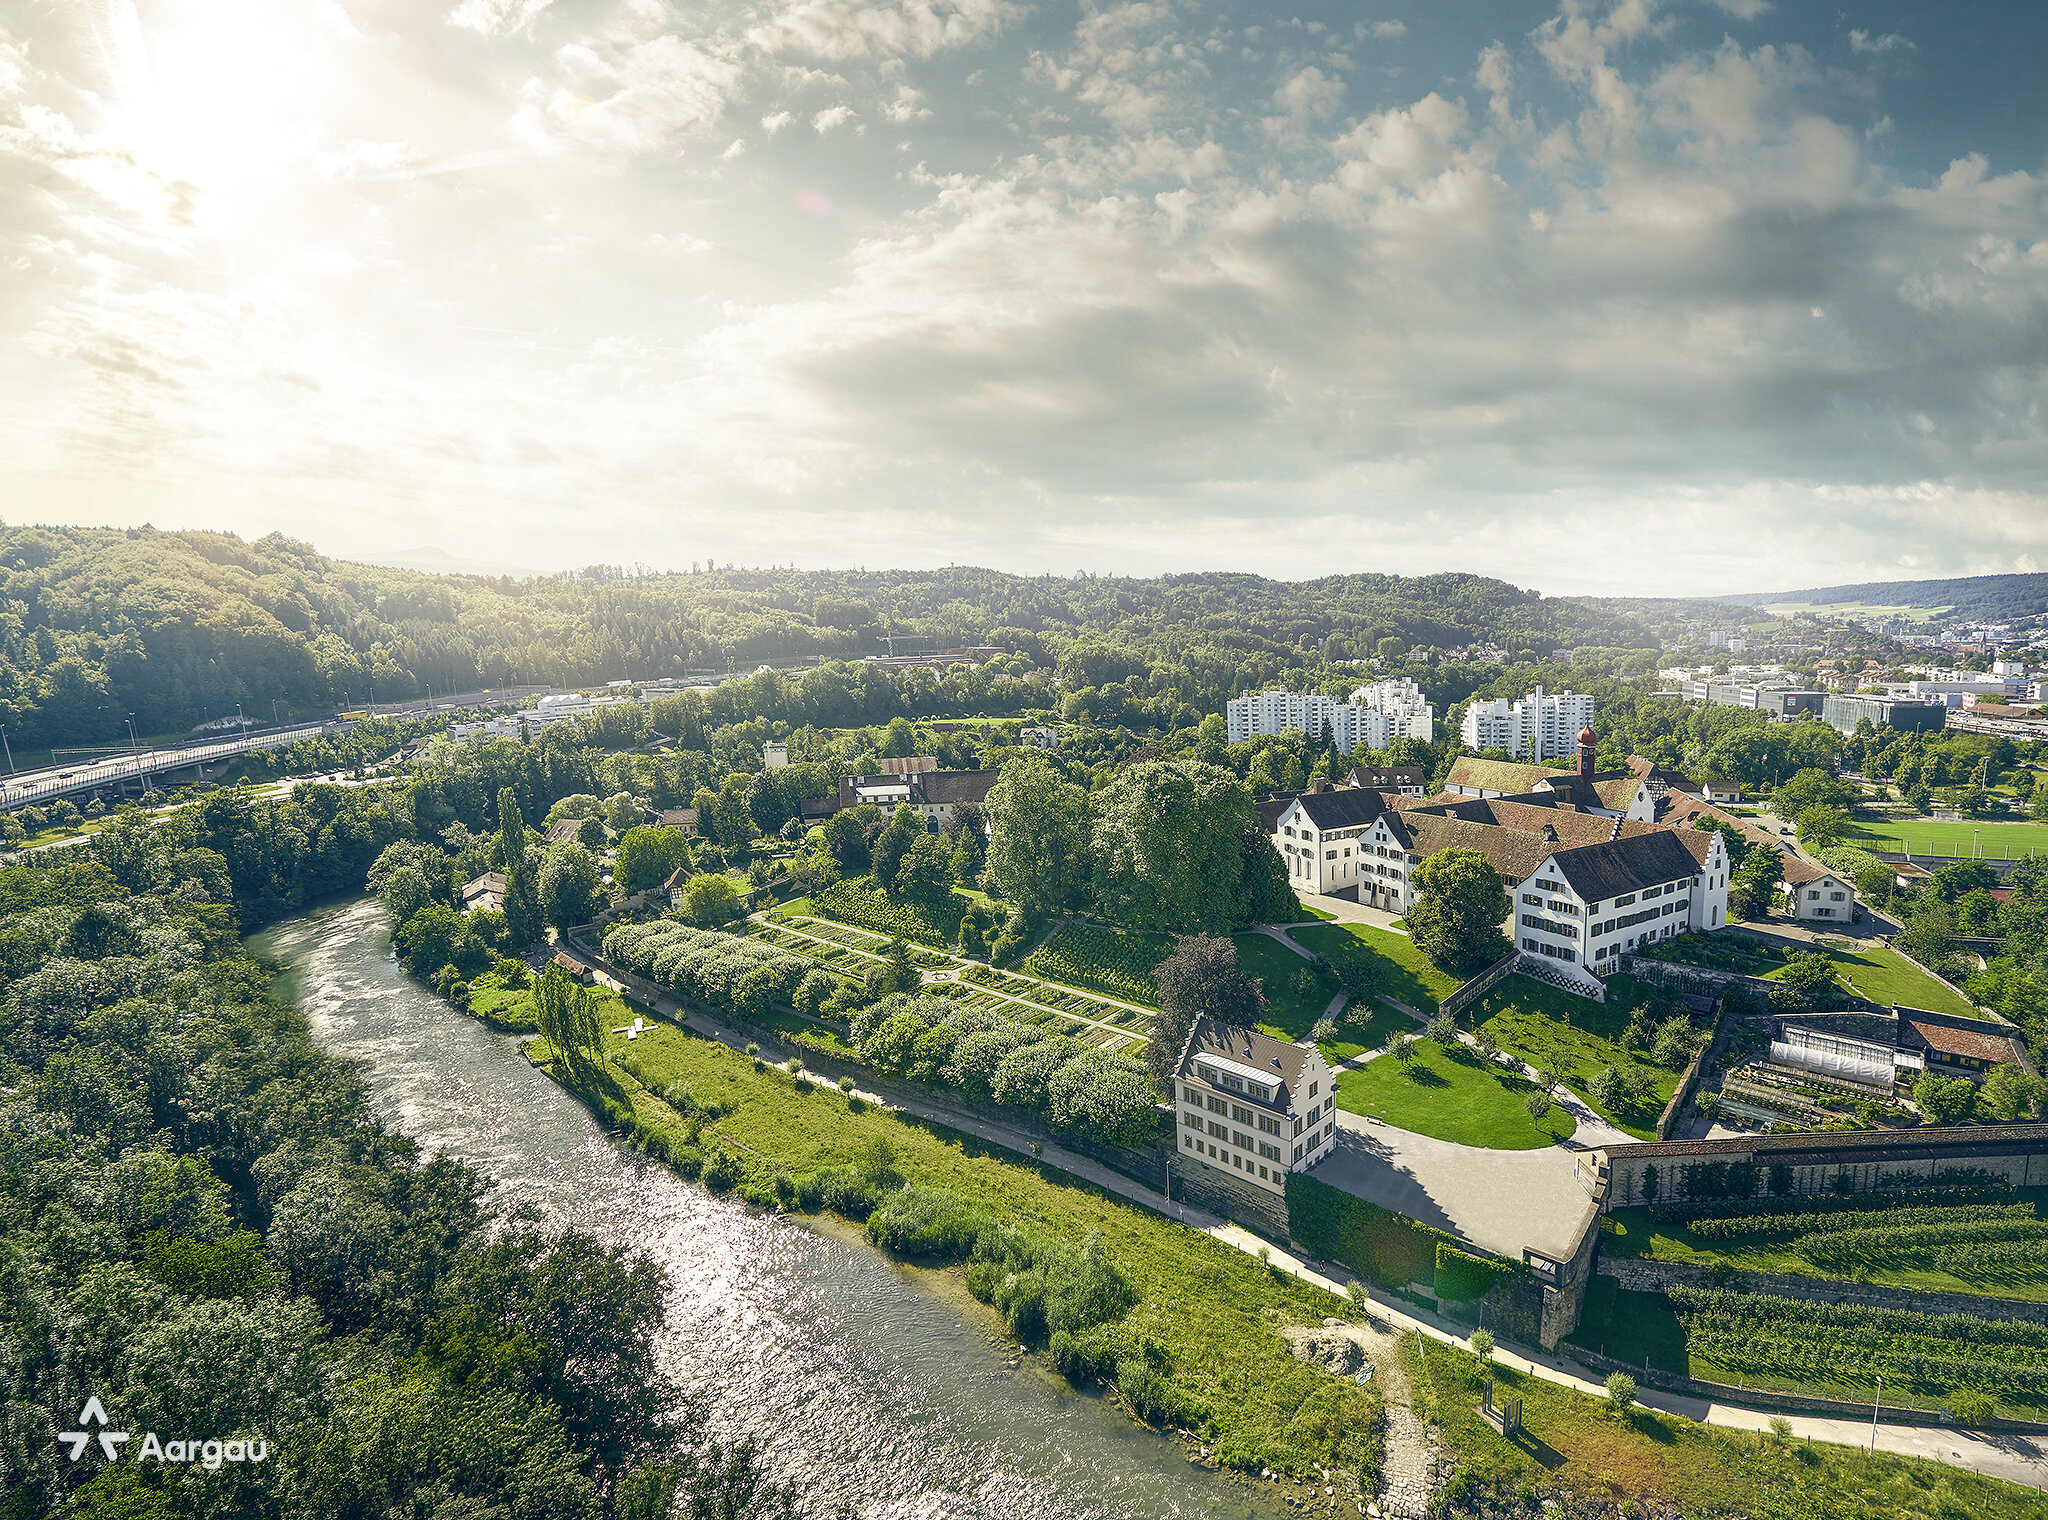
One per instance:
(1501,1201)
(1346,912)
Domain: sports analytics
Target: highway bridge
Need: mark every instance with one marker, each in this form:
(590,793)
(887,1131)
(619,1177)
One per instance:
(138,769)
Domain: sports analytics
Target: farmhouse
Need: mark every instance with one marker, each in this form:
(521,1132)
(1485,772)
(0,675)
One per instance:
(1815,894)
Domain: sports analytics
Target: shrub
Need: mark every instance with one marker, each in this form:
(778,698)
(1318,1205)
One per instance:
(928,1222)
(1482,1343)
(1621,1391)
(1461,1276)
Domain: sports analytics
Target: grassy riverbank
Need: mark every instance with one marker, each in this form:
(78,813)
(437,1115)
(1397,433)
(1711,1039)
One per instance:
(1207,1317)
(1580,1445)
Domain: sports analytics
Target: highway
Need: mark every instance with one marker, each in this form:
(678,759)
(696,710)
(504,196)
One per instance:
(36,787)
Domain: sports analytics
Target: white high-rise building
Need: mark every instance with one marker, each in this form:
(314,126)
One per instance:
(1535,728)
(1375,714)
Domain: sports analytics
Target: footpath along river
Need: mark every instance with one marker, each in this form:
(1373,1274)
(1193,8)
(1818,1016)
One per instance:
(875,1386)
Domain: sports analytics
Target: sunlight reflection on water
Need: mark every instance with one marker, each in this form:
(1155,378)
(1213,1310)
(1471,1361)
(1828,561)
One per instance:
(863,1384)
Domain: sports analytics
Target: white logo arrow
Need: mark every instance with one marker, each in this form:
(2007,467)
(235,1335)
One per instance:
(94,1413)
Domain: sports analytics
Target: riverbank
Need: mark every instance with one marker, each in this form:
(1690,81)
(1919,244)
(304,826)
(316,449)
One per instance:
(1656,1454)
(1208,1317)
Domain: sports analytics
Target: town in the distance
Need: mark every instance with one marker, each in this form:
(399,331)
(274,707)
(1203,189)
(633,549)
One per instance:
(1420,1047)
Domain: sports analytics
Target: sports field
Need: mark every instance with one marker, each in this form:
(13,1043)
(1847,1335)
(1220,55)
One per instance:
(1994,841)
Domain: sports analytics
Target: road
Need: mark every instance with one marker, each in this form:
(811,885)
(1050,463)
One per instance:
(2013,1458)
(53,782)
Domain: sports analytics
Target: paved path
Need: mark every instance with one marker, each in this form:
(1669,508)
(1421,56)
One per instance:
(1511,1180)
(1347,912)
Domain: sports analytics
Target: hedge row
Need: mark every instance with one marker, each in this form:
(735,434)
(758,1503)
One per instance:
(744,976)
(1941,1195)
(978,1052)
(1913,1245)
(1811,1223)
(1462,1277)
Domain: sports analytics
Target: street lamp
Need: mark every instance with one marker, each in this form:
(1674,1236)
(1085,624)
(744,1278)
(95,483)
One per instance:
(1873,1413)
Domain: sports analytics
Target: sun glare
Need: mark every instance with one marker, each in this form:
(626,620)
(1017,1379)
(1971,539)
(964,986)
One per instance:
(214,93)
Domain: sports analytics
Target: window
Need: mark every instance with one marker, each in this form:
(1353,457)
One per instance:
(1219,1131)
(1192,1121)
(1269,1124)
(1297,1153)
(1270,1152)
(1240,1114)
(1834,897)
(1192,1094)
(1217,1105)
(1623,902)
(1314,1088)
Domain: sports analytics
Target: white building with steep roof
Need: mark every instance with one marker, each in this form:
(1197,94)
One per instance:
(1253,1107)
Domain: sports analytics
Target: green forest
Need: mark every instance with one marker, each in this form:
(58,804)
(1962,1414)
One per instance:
(181,627)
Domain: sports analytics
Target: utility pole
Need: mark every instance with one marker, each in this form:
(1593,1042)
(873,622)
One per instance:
(1873,1413)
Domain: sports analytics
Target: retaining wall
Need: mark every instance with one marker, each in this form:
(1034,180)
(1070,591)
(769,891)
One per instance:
(1763,1398)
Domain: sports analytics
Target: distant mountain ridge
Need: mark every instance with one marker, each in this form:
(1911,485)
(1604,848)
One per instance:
(1987,598)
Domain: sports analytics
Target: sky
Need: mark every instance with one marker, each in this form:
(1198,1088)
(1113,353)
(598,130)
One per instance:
(1651,297)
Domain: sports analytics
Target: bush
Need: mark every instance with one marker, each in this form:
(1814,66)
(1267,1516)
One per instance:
(927,1222)
(1482,1343)
(1378,1244)
(1621,1391)
(1461,1276)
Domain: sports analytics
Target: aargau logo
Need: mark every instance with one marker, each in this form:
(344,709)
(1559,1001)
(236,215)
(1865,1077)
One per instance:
(209,1454)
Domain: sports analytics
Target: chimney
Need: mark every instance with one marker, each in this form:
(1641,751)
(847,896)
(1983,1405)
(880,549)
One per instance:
(1321,784)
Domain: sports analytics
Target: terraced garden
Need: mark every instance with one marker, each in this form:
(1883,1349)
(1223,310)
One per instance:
(1991,1242)
(852,952)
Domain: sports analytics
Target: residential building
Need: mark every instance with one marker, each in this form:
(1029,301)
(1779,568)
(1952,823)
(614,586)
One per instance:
(1813,893)
(932,794)
(684,819)
(774,755)
(1538,726)
(1407,780)
(564,830)
(1039,738)
(1845,712)
(1317,834)
(1378,713)
(485,893)
(1251,1106)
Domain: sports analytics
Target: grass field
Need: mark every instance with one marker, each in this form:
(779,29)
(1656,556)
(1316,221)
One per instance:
(1210,1313)
(1885,976)
(1366,1027)
(1631,1233)
(1405,973)
(1855,609)
(1289,1015)
(1993,841)
(1550,1029)
(1580,1445)
(1456,1099)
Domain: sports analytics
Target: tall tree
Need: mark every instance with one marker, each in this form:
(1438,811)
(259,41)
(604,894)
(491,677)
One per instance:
(903,830)
(1203,975)
(523,916)
(1458,911)
(1038,854)
(567,1015)
(1169,847)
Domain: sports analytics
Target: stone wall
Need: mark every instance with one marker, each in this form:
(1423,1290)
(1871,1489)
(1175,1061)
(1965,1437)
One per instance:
(1244,1203)
(1564,1299)
(2023,1166)
(1655,1276)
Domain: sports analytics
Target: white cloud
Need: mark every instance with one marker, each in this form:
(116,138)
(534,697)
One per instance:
(1389,31)
(1742,10)
(830,117)
(908,106)
(843,29)
(1863,42)
(775,122)
(497,17)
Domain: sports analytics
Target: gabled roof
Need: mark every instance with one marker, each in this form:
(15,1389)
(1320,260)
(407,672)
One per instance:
(1342,808)
(1798,871)
(1504,776)
(1600,871)
(1389,775)
(677,818)
(1511,852)
(1980,1041)
(563,829)
(954,786)
(907,764)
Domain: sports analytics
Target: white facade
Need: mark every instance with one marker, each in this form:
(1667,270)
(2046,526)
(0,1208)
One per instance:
(1252,1124)
(1535,728)
(1409,713)
(774,756)
(1554,921)
(1348,725)
(1321,860)
(1823,898)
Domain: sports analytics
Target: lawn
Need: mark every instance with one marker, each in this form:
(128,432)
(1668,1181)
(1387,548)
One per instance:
(1290,1015)
(1381,1024)
(1208,1314)
(503,1009)
(1886,977)
(1459,1099)
(1552,1030)
(1403,971)
(1578,1444)
(1993,841)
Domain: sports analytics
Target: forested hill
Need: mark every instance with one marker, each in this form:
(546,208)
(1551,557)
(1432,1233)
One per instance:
(1986,598)
(180,627)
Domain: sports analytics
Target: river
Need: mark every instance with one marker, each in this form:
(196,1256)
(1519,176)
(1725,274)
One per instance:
(878,1387)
